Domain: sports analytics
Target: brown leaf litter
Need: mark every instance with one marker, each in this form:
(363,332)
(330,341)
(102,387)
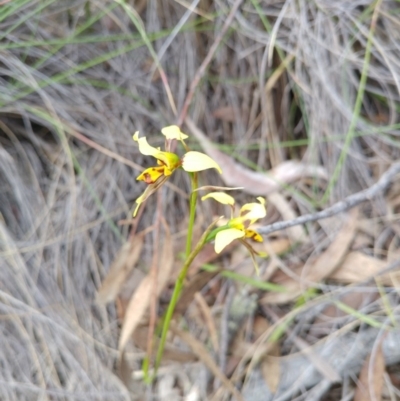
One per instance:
(318,269)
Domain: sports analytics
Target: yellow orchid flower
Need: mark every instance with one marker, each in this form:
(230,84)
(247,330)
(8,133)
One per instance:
(239,227)
(168,162)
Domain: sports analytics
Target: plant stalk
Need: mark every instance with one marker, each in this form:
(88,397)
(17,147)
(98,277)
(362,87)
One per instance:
(177,293)
(192,214)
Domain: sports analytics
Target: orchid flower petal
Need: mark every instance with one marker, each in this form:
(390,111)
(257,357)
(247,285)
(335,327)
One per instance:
(151,188)
(144,147)
(225,237)
(236,222)
(173,132)
(254,235)
(139,201)
(253,211)
(261,200)
(171,160)
(151,174)
(196,161)
(220,197)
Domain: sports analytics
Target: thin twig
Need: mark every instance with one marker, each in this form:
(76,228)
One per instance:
(339,207)
(201,70)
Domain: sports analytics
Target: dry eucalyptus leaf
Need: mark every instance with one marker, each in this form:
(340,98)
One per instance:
(122,265)
(370,381)
(321,268)
(252,182)
(260,326)
(196,283)
(271,368)
(141,298)
(358,267)
(334,255)
(206,255)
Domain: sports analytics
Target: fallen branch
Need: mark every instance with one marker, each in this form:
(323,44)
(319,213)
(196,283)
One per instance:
(353,200)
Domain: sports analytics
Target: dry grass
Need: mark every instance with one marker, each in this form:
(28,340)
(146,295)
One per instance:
(283,85)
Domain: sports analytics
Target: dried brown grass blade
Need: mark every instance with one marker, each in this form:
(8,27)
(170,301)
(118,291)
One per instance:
(140,300)
(370,382)
(209,320)
(322,268)
(122,265)
(203,354)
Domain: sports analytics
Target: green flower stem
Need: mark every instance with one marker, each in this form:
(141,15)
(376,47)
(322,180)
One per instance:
(192,211)
(177,293)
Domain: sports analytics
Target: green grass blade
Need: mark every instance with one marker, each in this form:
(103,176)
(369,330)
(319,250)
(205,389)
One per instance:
(261,285)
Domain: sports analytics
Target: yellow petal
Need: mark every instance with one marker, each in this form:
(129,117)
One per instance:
(173,132)
(152,174)
(139,201)
(144,147)
(225,237)
(237,223)
(254,235)
(171,160)
(196,161)
(253,211)
(150,189)
(261,200)
(220,197)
